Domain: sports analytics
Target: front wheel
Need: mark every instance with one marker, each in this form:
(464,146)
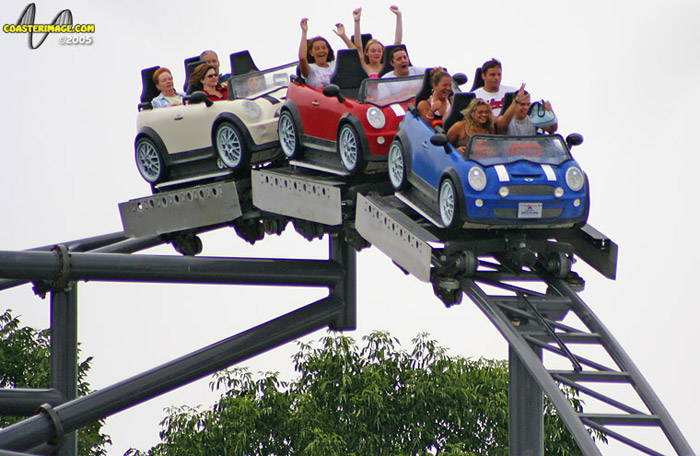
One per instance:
(149,161)
(397,166)
(230,146)
(350,150)
(289,136)
(447,202)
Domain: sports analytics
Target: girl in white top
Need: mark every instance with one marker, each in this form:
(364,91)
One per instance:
(316,58)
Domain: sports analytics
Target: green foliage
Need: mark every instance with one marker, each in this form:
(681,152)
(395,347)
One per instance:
(24,363)
(373,400)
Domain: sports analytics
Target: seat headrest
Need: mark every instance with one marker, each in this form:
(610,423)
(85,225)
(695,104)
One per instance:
(149,90)
(242,63)
(187,69)
(460,101)
(348,73)
(478,80)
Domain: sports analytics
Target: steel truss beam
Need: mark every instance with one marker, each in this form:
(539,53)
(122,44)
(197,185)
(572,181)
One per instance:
(59,270)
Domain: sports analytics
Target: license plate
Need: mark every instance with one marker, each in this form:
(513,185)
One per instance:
(529,210)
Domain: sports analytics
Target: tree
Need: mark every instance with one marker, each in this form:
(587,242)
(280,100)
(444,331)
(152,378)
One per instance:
(24,363)
(375,400)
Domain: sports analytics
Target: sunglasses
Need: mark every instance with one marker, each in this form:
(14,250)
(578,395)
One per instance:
(212,76)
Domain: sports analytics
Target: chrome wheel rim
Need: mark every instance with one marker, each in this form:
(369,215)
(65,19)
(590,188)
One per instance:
(229,146)
(148,161)
(396,166)
(447,203)
(287,135)
(348,148)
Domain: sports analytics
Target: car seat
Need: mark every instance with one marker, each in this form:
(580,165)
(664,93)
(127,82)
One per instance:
(348,74)
(365,38)
(478,80)
(242,63)
(507,101)
(148,90)
(189,69)
(188,61)
(460,102)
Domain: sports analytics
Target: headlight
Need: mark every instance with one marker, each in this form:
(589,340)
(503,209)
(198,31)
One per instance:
(252,110)
(574,178)
(477,178)
(376,118)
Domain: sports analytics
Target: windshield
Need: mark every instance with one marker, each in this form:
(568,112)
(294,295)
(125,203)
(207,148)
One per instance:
(490,149)
(386,91)
(257,83)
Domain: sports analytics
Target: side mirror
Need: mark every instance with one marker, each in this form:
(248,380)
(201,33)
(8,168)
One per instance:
(460,78)
(440,140)
(332,90)
(198,97)
(574,139)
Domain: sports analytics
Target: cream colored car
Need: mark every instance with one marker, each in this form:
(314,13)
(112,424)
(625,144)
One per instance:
(203,139)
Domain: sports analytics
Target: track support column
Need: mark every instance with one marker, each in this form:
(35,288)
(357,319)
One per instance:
(346,290)
(64,355)
(526,409)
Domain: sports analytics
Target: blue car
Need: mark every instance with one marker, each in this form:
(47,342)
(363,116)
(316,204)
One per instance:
(498,182)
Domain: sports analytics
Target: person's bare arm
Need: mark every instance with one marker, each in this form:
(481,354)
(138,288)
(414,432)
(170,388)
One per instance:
(356,14)
(455,133)
(304,67)
(504,119)
(340,31)
(398,32)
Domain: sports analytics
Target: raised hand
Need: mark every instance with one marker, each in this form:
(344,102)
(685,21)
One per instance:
(339,29)
(356,13)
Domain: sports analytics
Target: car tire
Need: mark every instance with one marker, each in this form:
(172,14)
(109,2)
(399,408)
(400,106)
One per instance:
(231,147)
(397,166)
(350,149)
(448,204)
(289,136)
(149,161)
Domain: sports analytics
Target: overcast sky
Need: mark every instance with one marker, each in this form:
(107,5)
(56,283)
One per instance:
(624,74)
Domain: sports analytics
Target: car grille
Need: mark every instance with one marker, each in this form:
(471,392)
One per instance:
(512,214)
(530,190)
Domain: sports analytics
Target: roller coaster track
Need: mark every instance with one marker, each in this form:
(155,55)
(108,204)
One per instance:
(521,280)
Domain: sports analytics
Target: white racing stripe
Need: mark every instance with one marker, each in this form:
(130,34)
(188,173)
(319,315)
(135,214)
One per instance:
(502,173)
(549,172)
(398,110)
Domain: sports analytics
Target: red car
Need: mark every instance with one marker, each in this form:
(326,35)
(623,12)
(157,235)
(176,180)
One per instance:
(347,126)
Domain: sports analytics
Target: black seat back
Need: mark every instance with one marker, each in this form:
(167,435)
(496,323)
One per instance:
(149,90)
(388,50)
(188,61)
(365,38)
(507,101)
(348,74)
(425,89)
(460,101)
(478,80)
(242,63)
(188,71)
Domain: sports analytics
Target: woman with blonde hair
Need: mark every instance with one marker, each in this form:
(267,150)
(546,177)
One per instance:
(372,53)
(478,120)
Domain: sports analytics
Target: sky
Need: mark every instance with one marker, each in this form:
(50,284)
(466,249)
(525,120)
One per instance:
(623,74)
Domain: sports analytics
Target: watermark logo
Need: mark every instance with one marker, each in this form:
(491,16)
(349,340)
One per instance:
(62,23)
